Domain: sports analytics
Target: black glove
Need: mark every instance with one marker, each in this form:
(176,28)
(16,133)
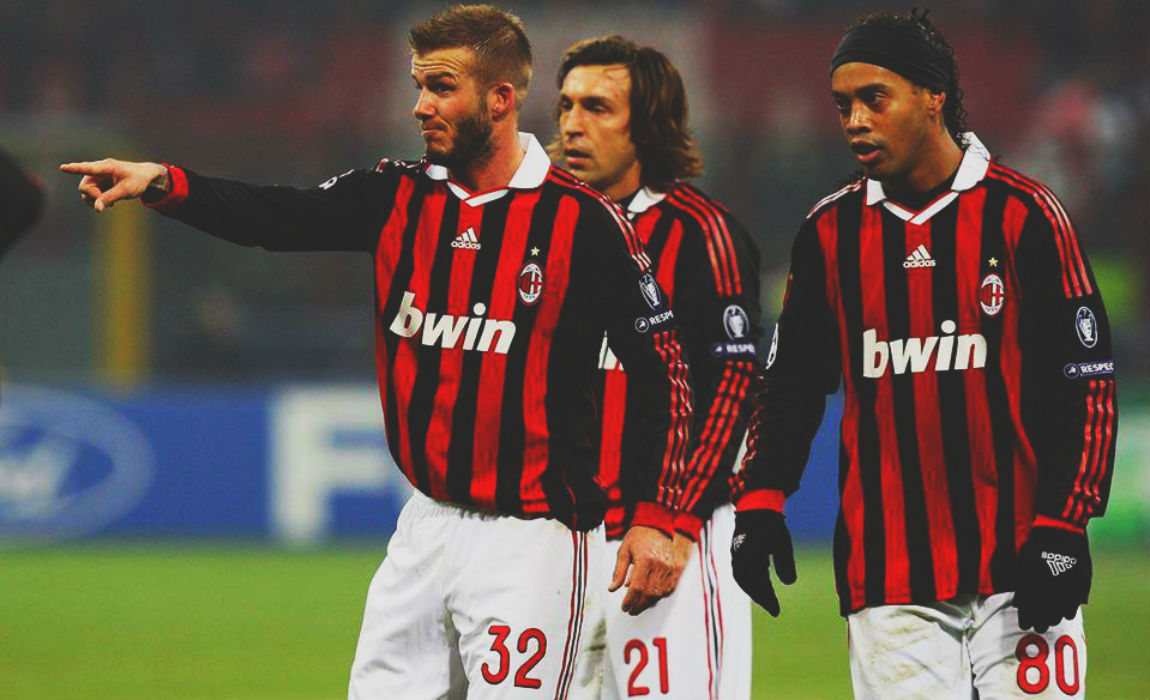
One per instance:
(1054,572)
(759,536)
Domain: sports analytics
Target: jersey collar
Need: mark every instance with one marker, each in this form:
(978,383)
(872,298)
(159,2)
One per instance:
(971,171)
(643,200)
(530,174)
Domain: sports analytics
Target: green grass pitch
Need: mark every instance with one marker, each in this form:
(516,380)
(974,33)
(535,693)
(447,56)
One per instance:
(162,620)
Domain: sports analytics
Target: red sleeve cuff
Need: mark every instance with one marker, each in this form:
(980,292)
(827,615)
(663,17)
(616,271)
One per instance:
(656,516)
(762,499)
(176,195)
(688,525)
(1043,521)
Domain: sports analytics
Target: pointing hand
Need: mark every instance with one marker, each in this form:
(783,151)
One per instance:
(108,181)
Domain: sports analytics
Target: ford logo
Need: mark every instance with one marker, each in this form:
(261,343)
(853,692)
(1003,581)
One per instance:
(68,465)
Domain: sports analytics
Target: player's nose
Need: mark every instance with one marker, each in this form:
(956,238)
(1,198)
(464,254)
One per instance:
(571,123)
(424,108)
(857,121)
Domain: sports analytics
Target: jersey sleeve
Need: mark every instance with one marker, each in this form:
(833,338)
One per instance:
(345,213)
(717,307)
(642,332)
(803,366)
(1071,409)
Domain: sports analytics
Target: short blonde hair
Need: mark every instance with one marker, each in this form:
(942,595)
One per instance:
(502,50)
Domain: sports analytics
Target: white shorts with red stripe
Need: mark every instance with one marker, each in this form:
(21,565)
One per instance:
(694,644)
(966,648)
(475,605)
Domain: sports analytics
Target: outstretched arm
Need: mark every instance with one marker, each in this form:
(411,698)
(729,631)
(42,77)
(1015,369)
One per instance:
(344,213)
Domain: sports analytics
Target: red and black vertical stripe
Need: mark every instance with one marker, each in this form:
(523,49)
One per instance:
(459,389)
(995,392)
(517,218)
(428,454)
(720,246)
(552,384)
(858,232)
(512,433)
(910,578)
(661,235)
(955,282)
(410,272)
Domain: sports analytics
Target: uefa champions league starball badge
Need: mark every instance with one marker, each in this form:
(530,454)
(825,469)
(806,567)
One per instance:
(650,291)
(1087,327)
(735,322)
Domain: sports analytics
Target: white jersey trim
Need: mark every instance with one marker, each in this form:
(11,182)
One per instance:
(971,171)
(833,196)
(643,200)
(530,174)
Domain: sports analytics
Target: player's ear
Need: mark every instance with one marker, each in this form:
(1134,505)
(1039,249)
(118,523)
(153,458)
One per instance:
(501,100)
(935,102)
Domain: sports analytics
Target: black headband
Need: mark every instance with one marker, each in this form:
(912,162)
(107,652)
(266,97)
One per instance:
(912,57)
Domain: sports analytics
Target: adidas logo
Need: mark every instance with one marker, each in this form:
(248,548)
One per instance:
(1058,563)
(919,258)
(468,240)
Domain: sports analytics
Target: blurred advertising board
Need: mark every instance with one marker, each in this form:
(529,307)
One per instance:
(298,464)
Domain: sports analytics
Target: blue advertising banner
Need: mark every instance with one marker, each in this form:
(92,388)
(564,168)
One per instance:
(812,509)
(299,464)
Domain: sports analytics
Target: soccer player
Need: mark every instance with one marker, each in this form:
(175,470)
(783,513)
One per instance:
(622,117)
(952,297)
(21,202)
(496,276)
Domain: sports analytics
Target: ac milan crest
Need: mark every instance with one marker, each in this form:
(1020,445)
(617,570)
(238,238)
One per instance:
(992,294)
(530,283)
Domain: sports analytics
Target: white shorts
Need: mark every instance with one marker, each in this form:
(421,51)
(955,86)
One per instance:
(695,644)
(475,605)
(967,648)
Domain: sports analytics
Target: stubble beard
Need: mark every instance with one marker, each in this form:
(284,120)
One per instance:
(472,145)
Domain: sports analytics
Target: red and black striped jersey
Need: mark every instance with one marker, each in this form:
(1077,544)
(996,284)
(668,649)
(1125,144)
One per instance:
(490,311)
(975,354)
(708,265)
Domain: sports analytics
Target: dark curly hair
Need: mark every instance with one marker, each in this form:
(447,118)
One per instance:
(659,130)
(917,24)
